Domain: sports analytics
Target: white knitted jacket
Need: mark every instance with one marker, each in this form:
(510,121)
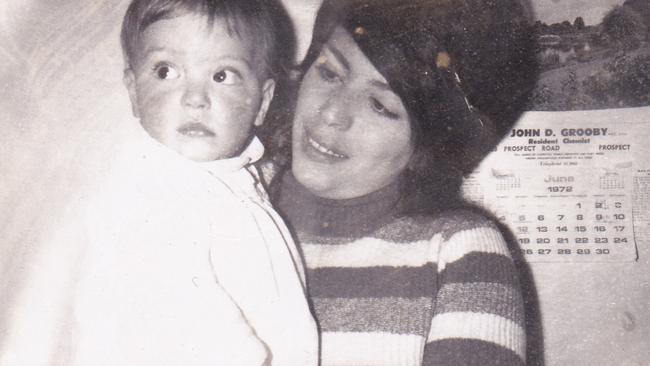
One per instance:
(155,265)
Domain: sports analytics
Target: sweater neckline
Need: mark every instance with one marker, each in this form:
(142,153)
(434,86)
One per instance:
(308,213)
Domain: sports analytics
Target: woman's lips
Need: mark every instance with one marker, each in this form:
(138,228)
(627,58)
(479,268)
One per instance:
(314,145)
(195,129)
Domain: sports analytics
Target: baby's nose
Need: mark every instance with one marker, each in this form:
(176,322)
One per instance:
(195,96)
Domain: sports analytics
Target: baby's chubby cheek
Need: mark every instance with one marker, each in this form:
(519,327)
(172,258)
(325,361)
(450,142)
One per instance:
(244,110)
(248,105)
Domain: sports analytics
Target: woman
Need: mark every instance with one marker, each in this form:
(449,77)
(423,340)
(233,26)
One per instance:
(398,101)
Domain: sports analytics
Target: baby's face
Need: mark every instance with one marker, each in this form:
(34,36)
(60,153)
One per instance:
(196,88)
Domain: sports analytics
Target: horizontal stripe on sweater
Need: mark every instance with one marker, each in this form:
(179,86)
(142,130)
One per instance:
(485,327)
(408,282)
(366,349)
(481,267)
(370,252)
(480,297)
(390,314)
(482,239)
(406,229)
(412,315)
(468,352)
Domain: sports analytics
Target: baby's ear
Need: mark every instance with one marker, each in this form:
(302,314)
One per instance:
(129,82)
(267,95)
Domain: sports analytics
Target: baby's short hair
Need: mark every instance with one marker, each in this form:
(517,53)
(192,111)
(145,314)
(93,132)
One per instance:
(264,20)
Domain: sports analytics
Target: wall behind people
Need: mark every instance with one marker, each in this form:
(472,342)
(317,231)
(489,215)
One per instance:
(63,102)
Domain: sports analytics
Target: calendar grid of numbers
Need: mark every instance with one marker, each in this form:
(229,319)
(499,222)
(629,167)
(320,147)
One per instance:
(566,218)
(566,193)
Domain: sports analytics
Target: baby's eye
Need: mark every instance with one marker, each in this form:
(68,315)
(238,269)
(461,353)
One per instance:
(227,77)
(166,72)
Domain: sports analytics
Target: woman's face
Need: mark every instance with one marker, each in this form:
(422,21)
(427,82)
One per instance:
(351,132)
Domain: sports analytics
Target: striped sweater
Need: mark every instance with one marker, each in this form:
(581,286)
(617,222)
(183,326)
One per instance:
(389,290)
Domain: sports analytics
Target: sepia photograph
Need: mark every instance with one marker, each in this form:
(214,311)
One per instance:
(325,182)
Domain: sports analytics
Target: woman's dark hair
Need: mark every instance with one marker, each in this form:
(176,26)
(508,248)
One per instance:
(464,70)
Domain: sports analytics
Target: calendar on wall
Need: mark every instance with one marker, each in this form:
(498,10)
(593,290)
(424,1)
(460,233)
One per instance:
(566,192)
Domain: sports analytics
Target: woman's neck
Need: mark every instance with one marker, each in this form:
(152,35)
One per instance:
(308,213)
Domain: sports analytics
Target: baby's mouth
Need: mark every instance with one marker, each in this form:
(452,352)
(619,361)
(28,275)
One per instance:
(321,147)
(195,129)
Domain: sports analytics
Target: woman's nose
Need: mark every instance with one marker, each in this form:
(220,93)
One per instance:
(196,96)
(336,111)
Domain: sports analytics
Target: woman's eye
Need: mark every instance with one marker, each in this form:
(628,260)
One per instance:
(227,77)
(166,72)
(380,108)
(327,74)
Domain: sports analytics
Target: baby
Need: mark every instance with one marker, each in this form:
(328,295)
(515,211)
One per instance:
(175,257)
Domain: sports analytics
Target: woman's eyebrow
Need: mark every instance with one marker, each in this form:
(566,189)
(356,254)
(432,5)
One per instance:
(381,85)
(339,56)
